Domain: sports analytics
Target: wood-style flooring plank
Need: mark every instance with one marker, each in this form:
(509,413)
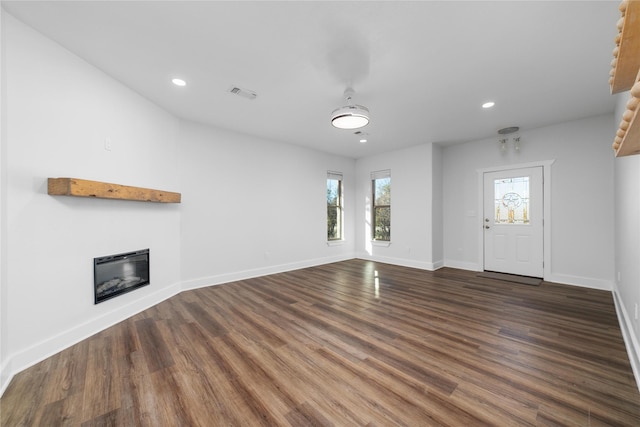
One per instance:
(101,391)
(350,343)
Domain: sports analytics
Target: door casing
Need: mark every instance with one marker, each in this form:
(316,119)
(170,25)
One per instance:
(546,188)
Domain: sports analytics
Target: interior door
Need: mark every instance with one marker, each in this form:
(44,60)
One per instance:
(513,221)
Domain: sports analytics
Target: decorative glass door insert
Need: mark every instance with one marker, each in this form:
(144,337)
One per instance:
(511,200)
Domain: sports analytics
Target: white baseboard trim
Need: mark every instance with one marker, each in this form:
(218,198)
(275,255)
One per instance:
(257,272)
(585,282)
(566,279)
(438,264)
(422,265)
(6,375)
(630,341)
(462,265)
(47,348)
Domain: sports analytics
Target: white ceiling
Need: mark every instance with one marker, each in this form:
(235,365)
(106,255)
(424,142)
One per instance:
(423,68)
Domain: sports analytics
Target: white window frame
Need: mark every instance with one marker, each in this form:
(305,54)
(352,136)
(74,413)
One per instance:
(337,176)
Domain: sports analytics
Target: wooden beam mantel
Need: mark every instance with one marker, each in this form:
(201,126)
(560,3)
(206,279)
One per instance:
(103,190)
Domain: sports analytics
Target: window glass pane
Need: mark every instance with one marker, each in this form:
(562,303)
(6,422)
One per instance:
(382,191)
(382,223)
(334,209)
(332,192)
(511,197)
(381,209)
(333,223)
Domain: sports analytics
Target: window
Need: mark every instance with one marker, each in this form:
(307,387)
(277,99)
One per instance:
(334,206)
(381,206)
(512,200)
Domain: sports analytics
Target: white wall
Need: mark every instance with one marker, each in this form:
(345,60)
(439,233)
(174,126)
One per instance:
(627,247)
(4,329)
(437,210)
(411,207)
(254,207)
(57,111)
(581,198)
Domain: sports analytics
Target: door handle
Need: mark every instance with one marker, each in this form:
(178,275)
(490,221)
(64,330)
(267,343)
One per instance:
(487,227)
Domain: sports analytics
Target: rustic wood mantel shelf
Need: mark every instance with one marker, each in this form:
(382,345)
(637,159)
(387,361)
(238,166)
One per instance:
(103,190)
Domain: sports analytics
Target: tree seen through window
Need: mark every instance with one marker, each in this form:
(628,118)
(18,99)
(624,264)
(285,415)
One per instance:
(334,206)
(381,218)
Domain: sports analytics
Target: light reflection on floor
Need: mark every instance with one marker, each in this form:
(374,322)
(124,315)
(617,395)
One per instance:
(376,286)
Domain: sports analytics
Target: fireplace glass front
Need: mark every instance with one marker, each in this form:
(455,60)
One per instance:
(118,274)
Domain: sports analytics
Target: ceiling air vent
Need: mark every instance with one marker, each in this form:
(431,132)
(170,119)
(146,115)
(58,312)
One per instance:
(245,93)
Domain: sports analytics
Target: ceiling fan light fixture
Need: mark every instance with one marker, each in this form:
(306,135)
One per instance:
(350,117)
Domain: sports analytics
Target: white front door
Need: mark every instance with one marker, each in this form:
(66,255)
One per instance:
(513,221)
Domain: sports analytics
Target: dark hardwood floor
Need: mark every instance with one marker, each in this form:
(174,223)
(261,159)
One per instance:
(354,343)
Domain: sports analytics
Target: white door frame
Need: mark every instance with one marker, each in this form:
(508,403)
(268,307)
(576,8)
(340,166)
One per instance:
(546,188)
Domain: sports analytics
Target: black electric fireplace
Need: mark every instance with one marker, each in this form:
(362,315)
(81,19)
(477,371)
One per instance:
(118,274)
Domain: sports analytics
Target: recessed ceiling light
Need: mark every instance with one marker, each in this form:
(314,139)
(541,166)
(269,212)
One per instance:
(488,104)
(362,136)
(178,82)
